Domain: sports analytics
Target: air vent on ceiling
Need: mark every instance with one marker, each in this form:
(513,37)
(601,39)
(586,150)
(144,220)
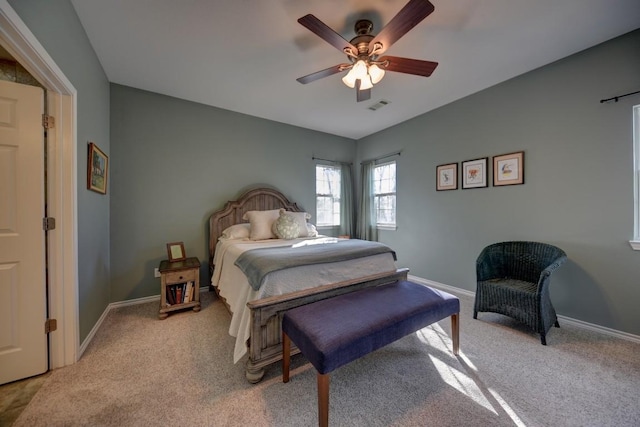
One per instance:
(379,104)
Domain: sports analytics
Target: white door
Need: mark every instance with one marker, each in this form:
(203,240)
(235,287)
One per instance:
(23,342)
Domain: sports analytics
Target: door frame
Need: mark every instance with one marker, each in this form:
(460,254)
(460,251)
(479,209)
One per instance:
(18,40)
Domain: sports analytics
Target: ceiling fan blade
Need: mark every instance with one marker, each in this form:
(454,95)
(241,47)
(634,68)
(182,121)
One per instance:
(320,74)
(408,17)
(409,66)
(362,94)
(327,34)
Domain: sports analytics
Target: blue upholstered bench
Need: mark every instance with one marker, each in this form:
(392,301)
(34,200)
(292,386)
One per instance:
(333,332)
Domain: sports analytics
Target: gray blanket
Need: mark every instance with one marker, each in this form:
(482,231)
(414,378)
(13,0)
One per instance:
(257,263)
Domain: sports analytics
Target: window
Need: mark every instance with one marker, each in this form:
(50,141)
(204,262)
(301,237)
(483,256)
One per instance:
(384,194)
(327,195)
(635,243)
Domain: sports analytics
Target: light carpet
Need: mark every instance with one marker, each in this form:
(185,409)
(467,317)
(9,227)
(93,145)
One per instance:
(142,371)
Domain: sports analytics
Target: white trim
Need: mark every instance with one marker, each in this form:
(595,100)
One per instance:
(136,301)
(332,196)
(575,322)
(24,46)
(18,40)
(93,332)
(442,286)
(328,227)
(106,311)
(601,329)
(635,243)
(386,227)
(120,304)
(448,288)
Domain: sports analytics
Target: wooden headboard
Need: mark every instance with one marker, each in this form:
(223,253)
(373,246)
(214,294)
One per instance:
(257,199)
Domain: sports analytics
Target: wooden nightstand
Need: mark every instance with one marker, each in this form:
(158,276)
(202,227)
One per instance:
(179,278)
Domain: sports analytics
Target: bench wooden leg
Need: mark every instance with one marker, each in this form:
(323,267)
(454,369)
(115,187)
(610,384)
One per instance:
(323,400)
(286,357)
(455,333)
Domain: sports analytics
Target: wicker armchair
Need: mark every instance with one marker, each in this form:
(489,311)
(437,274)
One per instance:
(513,279)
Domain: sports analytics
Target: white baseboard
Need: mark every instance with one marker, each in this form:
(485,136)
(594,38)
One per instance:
(602,329)
(442,286)
(575,322)
(119,304)
(136,301)
(447,288)
(93,331)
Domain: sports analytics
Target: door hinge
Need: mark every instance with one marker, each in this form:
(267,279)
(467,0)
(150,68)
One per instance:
(48,122)
(50,325)
(48,223)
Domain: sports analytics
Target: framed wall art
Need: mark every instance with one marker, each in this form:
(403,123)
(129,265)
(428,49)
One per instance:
(447,177)
(474,173)
(97,169)
(175,251)
(508,169)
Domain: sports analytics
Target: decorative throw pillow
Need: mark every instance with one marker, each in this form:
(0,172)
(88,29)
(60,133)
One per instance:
(237,231)
(261,223)
(301,218)
(286,227)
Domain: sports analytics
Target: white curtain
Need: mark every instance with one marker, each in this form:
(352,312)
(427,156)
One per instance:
(367,229)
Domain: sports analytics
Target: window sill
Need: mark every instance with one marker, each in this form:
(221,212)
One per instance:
(327,227)
(635,244)
(387,227)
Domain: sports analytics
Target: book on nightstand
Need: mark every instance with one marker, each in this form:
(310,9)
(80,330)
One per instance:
(169,296)
(189,297)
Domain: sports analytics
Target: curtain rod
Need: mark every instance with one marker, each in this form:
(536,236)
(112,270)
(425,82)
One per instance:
(397,153)
(615,98)
(331,161)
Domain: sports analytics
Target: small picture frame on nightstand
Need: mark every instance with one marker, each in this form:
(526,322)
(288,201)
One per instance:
(175,251)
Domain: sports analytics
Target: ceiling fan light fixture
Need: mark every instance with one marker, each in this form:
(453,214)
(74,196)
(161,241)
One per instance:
(365,66)
(365,83)
(376,73)
(359,69)
(349,79)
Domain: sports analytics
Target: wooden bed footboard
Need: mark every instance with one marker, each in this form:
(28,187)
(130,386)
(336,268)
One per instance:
(265,343)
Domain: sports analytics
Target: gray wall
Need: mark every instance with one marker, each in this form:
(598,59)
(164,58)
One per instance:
(578,191)
(173,162)
(178,161)
(57,27)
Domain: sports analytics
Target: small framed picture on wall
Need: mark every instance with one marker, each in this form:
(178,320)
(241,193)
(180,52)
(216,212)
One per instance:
(474,173)
(447,177)
(508,169)
(97,169)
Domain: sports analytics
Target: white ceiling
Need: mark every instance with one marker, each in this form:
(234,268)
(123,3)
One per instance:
(245,55)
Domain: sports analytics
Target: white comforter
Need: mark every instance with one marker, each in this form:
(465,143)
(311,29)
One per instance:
(234,287)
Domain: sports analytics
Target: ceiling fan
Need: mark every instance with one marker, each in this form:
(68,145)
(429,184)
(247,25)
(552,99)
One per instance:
(366,66)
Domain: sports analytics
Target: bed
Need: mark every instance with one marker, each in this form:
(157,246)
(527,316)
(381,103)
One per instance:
(256,308)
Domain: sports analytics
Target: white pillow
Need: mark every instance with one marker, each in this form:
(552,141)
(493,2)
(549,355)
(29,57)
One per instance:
(311,230)
(261,223)
(237,231)
(301,218)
